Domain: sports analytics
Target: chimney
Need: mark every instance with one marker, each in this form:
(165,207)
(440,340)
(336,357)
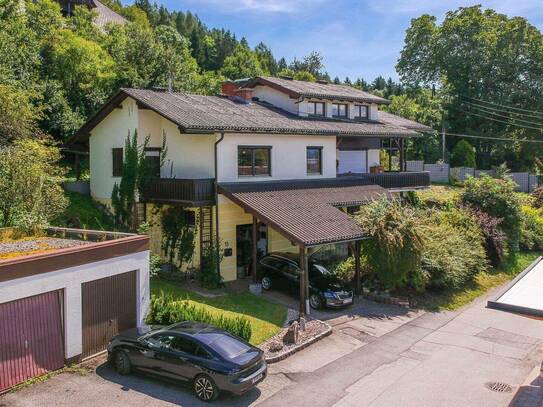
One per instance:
(245,94)
(228,88)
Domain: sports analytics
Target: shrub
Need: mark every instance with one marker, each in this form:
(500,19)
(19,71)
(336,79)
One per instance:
(208,276)
(453,248)
(394,250)
(344,270)
(165,310)
(495,238)
(463,155)
(537,195)
(531,235)
(155,265)
(496,198)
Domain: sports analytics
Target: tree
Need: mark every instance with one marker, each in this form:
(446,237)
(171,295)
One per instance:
(266,59)
(31,194)
(18,115)
(463,155)
(311,63)
(479,55)
(243,63)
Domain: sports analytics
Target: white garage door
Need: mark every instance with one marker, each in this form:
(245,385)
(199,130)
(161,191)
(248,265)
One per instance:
(352,162)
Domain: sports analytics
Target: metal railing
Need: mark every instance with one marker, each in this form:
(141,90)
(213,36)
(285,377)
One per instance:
(394,180)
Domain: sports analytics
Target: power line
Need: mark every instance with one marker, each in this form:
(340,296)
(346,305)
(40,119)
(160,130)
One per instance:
(493,138)
(500,121)
(501,110)
(504,116)
(508,107)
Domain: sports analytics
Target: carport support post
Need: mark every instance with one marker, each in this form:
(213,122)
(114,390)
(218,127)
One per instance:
(357,267)
(254,250)
(304,309)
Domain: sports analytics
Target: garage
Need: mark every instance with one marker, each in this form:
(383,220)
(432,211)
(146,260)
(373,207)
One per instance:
(524,294)
(31,338)
(109,307)
(352,162)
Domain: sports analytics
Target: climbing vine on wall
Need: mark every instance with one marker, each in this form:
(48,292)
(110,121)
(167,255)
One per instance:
(178,233)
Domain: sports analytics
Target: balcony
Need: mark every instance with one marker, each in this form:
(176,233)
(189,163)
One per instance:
(187,192)
(393,180)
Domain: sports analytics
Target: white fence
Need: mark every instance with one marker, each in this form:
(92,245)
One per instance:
(525,181)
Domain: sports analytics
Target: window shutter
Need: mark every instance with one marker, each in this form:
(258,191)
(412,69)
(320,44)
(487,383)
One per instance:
(117,162)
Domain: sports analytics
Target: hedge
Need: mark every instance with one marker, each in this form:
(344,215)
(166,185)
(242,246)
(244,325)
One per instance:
(165,310)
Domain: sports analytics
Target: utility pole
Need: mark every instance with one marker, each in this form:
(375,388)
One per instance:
(443,143)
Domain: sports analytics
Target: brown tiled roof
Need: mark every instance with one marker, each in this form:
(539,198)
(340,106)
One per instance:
(106,15)
(305,212)
(317,90)
(198,113)
(393,120)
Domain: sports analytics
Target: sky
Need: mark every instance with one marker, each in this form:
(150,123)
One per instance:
(357,38)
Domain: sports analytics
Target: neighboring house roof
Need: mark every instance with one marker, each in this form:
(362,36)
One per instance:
(197,113)
(107,15)
(318,90)
(306,212)
(393,120)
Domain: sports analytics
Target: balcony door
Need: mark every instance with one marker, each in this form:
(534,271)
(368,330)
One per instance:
(352,162)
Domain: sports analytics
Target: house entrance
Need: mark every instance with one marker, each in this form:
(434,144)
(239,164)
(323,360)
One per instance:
(243,247)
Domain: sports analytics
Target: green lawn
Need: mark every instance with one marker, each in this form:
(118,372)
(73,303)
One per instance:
(451,300)
(266,317)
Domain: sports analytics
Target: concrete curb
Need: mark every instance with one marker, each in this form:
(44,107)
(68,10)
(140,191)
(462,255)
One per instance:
(291,351)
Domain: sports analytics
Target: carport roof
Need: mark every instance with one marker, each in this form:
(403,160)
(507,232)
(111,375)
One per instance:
(305,212)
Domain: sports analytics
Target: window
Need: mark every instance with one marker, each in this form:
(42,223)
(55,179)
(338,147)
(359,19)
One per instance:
(229,347)
(152,156)
(185,345)
(339,110)
(202,353)
(360,112)
(254,161)
(117,162)
(315,108)
(314,160)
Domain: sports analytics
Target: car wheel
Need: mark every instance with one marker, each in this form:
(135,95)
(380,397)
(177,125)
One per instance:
(121,362)
(266,283)
(205,388)
(315,301)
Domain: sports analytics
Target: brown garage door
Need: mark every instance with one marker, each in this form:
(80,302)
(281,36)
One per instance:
(109,307)
(31,340)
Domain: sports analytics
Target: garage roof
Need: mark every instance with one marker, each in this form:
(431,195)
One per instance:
(305,212)
(525,293)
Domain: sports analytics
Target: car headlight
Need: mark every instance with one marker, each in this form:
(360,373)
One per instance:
(330,295)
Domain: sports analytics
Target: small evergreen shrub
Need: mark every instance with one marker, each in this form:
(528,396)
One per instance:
(207,276)
(165,310)
(463,155)
(531,234)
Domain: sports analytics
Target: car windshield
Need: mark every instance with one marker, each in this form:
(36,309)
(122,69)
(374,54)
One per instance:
(229,347)
(318,271)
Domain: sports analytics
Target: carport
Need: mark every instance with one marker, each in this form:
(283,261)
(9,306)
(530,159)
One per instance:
(524,294)
(308,213)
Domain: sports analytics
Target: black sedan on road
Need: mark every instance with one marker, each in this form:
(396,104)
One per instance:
(282,271)
(210,358)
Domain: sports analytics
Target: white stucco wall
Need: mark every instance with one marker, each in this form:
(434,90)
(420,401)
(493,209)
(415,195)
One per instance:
(109,133)
(288,156)
(373,158)
(276,98)
(70,280)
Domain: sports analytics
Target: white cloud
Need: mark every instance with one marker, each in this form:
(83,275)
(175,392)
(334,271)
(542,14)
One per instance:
(261,6)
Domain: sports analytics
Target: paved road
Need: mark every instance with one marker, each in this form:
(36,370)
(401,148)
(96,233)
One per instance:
(377,356)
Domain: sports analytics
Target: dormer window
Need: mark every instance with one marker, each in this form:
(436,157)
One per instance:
(315,109)
(339,110)
(360,112)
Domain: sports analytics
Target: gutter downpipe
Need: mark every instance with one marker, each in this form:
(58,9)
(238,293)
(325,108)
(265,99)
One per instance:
(217,206)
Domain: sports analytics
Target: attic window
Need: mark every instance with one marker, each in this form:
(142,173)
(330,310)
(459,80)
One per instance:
(360,112)
(315,109)
(339,110)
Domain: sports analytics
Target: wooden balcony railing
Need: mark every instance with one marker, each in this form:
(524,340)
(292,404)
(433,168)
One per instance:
(194,192)
(394,180)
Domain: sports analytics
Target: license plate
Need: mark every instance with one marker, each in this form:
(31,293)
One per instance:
(347,301)
(257,378)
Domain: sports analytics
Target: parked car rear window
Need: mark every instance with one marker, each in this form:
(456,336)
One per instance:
(229,347)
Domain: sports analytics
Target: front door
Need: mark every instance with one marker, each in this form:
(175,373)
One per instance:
(244,241)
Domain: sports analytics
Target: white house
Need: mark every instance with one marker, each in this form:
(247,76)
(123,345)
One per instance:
(246,160)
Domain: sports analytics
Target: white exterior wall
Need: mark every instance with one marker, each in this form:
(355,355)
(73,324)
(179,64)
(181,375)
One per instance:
(189,155)
(288,156)
(70,280)
(373,158)
(276,98)
(109,133)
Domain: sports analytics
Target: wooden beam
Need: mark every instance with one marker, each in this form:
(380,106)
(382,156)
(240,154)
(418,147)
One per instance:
(357,268)
(304,286)
(254,250)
